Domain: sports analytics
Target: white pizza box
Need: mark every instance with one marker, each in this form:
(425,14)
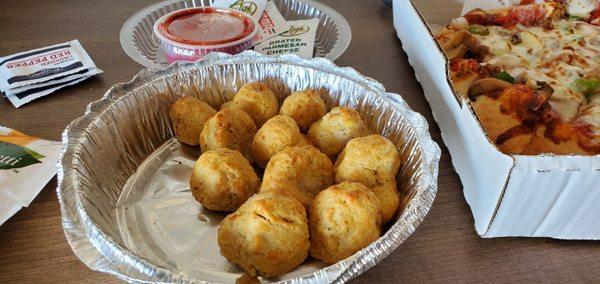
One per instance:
(509,195)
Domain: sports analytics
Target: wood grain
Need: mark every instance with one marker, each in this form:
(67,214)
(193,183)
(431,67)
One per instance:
(445,248)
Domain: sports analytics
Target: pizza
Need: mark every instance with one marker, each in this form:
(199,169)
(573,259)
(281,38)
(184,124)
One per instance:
(531,74)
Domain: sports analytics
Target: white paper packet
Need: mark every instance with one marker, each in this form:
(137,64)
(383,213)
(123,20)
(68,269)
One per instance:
(26,165)
(81,74)
(254,8)
(8,206)
(271,23)
(19,99)
(43,64)
(298,38)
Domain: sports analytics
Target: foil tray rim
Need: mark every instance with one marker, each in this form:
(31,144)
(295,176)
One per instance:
(90,244)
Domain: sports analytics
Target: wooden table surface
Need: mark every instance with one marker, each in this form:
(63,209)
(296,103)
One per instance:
(444,248)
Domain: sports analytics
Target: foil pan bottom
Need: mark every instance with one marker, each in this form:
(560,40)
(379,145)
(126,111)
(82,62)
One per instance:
(160,220)
(123,179)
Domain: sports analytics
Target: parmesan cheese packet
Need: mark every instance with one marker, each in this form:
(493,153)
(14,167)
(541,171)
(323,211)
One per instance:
(271,23)
(297,38)
(32,74)
(26,165)
(253,8)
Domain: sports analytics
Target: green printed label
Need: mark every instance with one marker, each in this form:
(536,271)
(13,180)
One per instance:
(246,7)
(14,156)
(295,31)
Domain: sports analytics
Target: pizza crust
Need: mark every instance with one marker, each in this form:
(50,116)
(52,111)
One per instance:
(496,123)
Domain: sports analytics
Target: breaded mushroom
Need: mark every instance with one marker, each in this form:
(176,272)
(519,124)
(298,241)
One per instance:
(257,100)
(228,105)
(229,128)
(343,219)
(275,135)
(331,133)
(188,115)
(302,171)
(305,141)
(389,198)
(305,107)
(222,180)
(372,160)
(267,235)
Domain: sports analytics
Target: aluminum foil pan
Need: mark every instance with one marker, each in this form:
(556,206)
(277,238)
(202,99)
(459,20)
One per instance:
(140,43)
(123,179)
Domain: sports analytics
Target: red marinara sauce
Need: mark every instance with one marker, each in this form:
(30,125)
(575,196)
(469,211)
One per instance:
(206,26)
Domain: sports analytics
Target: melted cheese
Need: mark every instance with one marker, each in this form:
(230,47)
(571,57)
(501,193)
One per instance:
(556,56)
(496,42)
(595,99)
(590,115)
(566,103)
(581,8)
(508,61)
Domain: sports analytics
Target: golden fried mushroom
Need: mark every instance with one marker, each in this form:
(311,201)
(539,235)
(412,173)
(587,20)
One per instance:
(372,160)
(302,171)
(343,219)
(257,100)
(188,115)
(275,135)
(389,198)
(305,141)
(267,235)
(222,179)
(331,133)
(229,128)
(228,105)
(305,107)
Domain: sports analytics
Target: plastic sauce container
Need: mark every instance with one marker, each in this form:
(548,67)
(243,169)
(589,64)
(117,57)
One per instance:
(191,33)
